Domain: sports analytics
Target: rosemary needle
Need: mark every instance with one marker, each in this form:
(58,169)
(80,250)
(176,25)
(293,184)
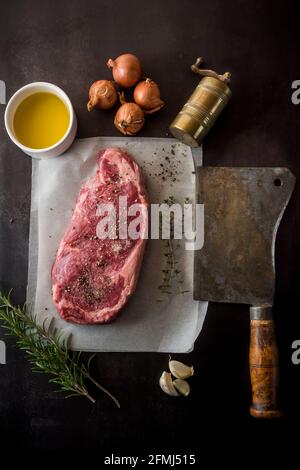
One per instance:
(47,351)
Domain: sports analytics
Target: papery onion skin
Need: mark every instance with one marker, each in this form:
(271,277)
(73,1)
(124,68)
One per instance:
(102,94)
(126,69)
(147,95)
(129,119)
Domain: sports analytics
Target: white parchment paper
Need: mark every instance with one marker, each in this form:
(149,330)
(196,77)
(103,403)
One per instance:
(151,321)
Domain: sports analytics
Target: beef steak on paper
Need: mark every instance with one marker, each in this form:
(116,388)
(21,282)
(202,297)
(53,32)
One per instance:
(92,277)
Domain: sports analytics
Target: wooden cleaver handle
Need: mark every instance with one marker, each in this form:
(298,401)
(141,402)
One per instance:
(264,370)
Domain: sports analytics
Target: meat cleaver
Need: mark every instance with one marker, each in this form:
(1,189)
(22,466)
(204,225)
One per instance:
(242,211)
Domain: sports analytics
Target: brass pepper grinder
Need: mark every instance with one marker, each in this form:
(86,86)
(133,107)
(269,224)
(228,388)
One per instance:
(203,108)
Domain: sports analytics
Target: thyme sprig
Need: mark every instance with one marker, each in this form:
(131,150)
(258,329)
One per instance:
(171,274)
(47,350)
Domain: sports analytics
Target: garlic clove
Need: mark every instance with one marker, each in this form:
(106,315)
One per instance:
(180,370)
(182,387)
(166,384)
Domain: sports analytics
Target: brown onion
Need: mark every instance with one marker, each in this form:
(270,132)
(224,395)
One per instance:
(102,95)
(147,95)
(129,118)
(126,69)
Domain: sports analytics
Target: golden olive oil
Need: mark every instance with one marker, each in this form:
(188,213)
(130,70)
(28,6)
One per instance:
(41,120)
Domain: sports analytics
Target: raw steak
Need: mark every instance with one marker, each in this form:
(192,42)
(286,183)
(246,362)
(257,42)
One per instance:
(93,278)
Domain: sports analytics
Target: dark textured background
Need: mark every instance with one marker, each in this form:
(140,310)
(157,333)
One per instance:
(67,43)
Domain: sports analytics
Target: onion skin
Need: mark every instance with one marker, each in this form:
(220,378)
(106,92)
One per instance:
(147,96)
(129,119)
(102,95)
(126,69)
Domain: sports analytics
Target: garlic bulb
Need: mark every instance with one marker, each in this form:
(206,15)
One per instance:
(180,370)
(166,384)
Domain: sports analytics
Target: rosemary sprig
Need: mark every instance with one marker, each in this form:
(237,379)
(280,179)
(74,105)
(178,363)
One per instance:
(47,351)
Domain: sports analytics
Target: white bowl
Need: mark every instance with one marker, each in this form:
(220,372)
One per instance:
(64,143)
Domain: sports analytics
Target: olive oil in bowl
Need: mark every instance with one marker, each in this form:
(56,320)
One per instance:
(41,120)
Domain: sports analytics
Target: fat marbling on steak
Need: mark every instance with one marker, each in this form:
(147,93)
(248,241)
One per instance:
(93,278)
